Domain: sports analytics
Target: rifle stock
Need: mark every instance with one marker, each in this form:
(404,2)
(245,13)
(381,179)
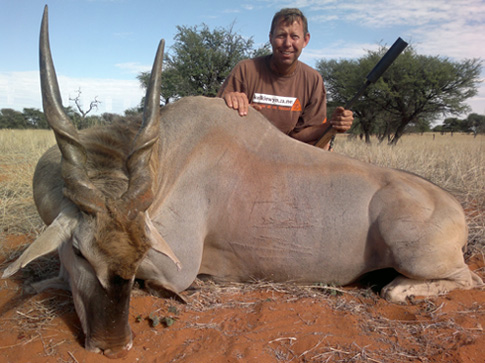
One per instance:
(328,134)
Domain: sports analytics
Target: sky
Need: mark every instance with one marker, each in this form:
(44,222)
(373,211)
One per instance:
(100,46)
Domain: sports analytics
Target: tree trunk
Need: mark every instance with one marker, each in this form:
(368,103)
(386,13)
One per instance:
(399,132)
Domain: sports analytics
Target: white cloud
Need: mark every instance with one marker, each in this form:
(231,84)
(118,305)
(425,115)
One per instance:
(458,40)
(454,28)
(20,90)
(337,50)
(133,67)
(231,11)
(377,13)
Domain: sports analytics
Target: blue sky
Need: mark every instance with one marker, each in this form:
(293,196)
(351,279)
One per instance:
(99,46)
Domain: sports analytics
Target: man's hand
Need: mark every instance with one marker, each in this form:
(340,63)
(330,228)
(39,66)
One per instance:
(237,101)
(341,119)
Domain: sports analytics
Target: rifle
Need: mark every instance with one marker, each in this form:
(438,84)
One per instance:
(384,63)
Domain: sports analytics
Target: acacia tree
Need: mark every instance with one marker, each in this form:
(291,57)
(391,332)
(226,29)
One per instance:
(35,118)
(475,123)
(414,90)
(30,118)
(426,87)
(342,80)
(452,124)
(11,119)
(80,117)
(77,101)
(200,60)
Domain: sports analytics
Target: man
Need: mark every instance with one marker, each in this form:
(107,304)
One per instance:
(288,92)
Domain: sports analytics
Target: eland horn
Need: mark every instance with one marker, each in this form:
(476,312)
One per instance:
(78,186)
(139,195)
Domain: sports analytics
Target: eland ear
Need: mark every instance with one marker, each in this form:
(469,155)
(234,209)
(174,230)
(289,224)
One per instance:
(158,243)
(59,231)
(164,290)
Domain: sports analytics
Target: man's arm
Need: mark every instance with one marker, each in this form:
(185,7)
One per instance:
(341,121)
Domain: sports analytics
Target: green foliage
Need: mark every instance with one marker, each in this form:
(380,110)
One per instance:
(452,124)
(414,91)
(474,124)
(35,118)
(30,118)
(11,119)
(200,61)
(134,111)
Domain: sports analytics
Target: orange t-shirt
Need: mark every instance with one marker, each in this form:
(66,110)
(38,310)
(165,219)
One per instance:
(291,102)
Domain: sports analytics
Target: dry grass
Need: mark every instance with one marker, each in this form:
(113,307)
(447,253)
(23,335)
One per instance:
(19,152)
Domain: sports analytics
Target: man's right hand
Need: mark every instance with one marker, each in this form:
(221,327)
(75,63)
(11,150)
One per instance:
(237,101)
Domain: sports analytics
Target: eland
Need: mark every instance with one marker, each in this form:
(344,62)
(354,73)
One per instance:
(194,189)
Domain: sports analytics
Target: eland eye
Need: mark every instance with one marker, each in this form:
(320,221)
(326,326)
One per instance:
(78,252)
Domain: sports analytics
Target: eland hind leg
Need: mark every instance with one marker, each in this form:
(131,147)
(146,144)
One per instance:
(403,287)
(425,233)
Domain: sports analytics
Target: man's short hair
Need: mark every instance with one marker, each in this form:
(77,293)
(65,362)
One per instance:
(289,16)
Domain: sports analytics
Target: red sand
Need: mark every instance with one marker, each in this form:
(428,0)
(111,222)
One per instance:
(261,324)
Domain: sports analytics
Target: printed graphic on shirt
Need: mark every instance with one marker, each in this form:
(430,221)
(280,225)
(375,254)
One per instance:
(277,102)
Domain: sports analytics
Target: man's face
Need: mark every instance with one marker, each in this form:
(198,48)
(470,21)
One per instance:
(287,40)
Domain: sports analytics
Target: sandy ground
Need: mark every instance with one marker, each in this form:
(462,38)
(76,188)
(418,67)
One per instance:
(254,323)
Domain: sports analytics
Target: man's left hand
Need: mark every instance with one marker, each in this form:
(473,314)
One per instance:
(342,119)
